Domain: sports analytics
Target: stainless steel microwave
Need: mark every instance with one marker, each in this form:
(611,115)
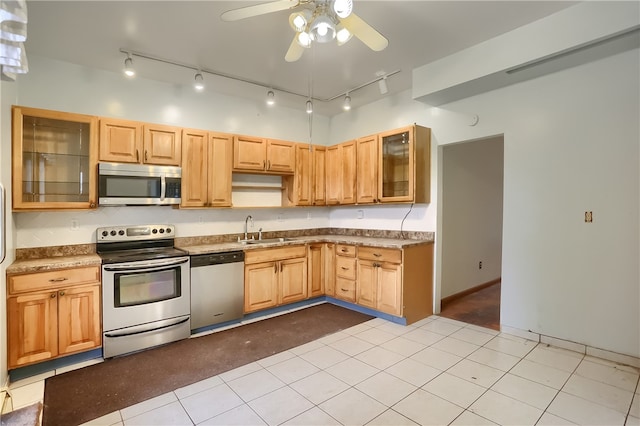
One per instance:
(121,184)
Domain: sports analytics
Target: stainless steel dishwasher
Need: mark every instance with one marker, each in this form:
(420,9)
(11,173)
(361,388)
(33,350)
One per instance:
(217,288)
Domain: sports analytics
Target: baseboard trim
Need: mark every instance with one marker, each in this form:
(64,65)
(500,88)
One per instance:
(446,300)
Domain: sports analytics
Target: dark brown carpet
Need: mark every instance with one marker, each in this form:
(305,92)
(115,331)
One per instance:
(480,308)
(79,396)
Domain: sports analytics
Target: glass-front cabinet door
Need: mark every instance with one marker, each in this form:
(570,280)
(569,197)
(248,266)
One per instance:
(396,166)
(54,160)
(404,165)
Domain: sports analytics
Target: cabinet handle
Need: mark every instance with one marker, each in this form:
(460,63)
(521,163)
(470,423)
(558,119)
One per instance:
(344,289)
(92,205)
(275,267)
(281,267)
(268,164)
(344,268)
(377,254)
(62,293)
(264,164)
(344,250)
(53,295)
(58,280)
(145,155)
(137,156)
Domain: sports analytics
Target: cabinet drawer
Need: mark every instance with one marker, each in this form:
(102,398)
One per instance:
(346,267)
(345,250)
(346,289)
(53,279)
(381,254)
(274,254)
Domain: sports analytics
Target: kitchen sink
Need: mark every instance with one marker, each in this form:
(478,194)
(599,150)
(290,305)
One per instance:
(266,241)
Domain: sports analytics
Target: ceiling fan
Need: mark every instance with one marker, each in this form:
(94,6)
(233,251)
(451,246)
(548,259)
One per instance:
(321,21)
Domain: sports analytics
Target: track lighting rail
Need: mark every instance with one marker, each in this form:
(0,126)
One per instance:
(133,53)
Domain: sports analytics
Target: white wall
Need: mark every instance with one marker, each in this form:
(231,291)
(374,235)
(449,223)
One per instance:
(471,220)
(571,144)
(62,86)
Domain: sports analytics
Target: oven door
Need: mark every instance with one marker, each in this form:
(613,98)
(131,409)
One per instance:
(141,292)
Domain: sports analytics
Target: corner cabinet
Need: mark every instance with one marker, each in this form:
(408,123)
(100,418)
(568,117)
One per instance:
(404,160)
(54,160)
(52,314)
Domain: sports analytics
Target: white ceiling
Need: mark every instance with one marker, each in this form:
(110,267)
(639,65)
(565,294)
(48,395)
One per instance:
(91,33)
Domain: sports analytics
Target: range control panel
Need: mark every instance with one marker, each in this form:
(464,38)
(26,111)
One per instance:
(135,233)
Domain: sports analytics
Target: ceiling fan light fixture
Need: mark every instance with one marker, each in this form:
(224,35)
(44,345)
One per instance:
(343,8)
(271,98)
(323,29)
(128,67)
(198,82)
(304,39)
(343,35)
(300,20)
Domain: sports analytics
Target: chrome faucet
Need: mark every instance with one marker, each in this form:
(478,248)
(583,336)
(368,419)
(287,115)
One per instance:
(249,218)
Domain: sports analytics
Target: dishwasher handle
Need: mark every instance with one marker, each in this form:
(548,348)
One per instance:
(217,258)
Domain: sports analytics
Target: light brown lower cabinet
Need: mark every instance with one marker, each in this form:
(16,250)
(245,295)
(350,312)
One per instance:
(52,314)
(398,282)
(274,276)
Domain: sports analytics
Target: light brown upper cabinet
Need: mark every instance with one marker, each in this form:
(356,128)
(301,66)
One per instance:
(260,155)
(307,186)
(54,157)
(404,165)
(124,141)
(367,170)
(206,169)
(341,173)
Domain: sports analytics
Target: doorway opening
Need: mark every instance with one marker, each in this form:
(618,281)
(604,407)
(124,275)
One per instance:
(471,231)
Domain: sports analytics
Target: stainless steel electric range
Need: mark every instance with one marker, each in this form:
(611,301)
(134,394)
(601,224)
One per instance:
(145,288)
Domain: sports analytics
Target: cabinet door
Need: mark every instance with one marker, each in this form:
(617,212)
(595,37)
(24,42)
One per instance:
(194,168)
(367,170)
(54,157)
(32,328)
(249,154)
(260,286)
(220,160)
(316,269)
(318,182)
(303,175)
(330,269)
(389,297)
(281,156)
(348,195)
(120,140)
(366,287)
(293,280)
(162,145)
(396,177)
(334,175)
(79,319)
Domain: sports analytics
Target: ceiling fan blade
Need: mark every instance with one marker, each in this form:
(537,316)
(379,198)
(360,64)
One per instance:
(365,32)
(258,9)
(295,51)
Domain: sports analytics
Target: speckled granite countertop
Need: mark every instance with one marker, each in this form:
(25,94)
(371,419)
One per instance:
(53,263)
(62,257)
(290,241)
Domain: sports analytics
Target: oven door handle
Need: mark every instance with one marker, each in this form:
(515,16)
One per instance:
(131,331)
(139,266)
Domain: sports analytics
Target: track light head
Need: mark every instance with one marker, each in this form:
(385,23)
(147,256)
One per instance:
(347,103)
(271,98)
(382,85)
(309,107)
(198,83)
(128,67)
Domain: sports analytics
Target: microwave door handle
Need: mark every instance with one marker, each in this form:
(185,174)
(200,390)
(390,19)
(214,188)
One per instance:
(145,266)
(163,187)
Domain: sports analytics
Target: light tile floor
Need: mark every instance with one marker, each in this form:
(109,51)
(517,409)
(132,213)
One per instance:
(435,372)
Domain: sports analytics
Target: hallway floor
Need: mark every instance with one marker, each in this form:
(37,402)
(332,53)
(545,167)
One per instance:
(481,308)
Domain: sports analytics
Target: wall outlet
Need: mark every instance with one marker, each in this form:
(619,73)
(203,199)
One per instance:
(74,224)
(360,214)
(588,217)
(279,218)
(480,265)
